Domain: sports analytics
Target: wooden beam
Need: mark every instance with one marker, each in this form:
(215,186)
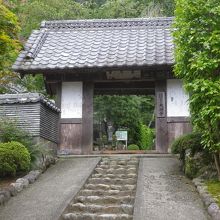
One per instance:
(87,118)
(161,119)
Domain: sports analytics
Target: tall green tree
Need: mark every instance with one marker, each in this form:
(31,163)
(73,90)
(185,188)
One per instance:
(124,112)
(9,44)
(197,40)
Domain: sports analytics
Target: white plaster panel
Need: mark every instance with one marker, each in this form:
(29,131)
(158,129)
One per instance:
(71,100)
(177,99)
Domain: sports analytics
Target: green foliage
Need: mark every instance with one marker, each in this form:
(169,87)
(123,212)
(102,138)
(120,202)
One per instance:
(35,11)
(31,13)
(9,131)
(204,104)
(197,39)
(133,147)
(195,159)
(197,53)
(124,112)
(190,141)
(146,137)
(9,45)
(14,158)
(213,188)
(191,169)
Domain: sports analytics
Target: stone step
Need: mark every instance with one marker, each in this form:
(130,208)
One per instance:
(105,167)
(109,192)
(105,199)
(116,171)
(113,176)
(110,187)
(102,209)
(88,216)
(111,181)
(88,192)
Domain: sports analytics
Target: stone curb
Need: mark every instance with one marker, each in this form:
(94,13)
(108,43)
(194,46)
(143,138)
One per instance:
(21,183)
(210,203)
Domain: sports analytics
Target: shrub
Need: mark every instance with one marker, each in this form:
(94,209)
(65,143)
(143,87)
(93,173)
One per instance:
(146,137)
(14,158)
(190,141)
(133,147)
(9,131)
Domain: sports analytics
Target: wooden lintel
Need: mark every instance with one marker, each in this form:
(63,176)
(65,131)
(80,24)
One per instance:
(70,121)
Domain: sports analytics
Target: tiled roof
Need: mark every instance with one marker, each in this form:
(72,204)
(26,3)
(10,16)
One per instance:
(22,98)
(98,44)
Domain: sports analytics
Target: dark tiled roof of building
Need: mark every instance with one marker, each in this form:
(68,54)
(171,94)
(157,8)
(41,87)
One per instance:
(98,44)
(22,98)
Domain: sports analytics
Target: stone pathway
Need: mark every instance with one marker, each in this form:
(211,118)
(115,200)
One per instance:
(108,194)
(164,194)
(47,198)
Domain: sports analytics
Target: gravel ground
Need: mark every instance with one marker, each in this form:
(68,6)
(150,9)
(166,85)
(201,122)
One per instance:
(163,193)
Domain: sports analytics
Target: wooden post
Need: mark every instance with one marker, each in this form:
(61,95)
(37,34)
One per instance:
(58,104)
(87,118)
(70,123)
(161,117)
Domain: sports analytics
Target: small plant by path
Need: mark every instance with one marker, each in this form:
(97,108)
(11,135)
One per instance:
(213,187)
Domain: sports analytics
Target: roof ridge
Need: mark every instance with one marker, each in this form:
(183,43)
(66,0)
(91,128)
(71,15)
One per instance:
(38,43)
(101,23)
(27,98)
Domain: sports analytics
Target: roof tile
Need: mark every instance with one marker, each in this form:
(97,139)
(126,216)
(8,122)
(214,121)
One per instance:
(98,43)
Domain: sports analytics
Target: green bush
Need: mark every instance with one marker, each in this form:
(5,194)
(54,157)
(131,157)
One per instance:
(133,147)
(190,141)
(14,158)
(9,131)
(146,137)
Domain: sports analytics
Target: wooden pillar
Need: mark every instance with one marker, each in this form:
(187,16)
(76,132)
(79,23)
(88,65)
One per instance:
(161,117)
(58,104)
(87,118)
(70,97)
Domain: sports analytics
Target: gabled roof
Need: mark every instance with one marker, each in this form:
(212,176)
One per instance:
(109,43)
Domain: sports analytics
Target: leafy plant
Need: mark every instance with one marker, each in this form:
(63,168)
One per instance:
(133,147)
(10,131)
(14,158)
(146,137)
(9,44)
(190,141)
(197,53)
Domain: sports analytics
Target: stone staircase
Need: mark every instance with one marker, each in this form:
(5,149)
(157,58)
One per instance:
(108,194)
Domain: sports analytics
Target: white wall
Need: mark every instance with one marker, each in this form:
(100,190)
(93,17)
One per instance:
(71,100)
(177,99)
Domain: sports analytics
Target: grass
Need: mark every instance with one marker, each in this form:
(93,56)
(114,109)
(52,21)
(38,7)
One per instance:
(213,187)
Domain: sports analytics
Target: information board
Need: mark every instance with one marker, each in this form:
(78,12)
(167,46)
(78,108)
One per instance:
(121,135)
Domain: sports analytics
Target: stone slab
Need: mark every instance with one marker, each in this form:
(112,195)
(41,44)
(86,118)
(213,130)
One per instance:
(49,195)
(164,193)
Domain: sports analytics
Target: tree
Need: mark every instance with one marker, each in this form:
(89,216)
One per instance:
(124,112)
(31,13)
(197,40)
(9,44)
